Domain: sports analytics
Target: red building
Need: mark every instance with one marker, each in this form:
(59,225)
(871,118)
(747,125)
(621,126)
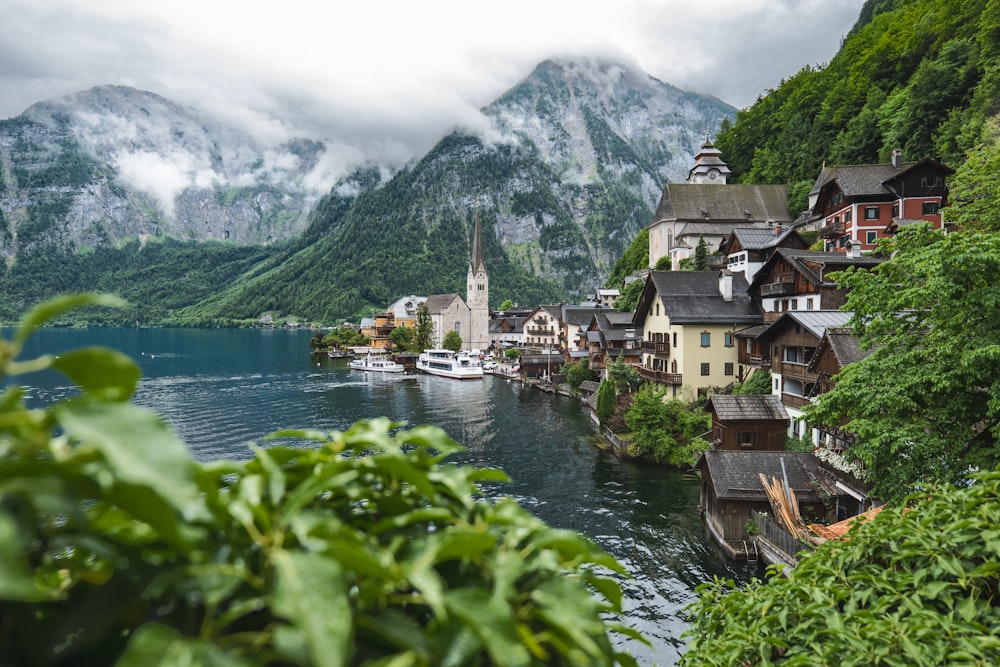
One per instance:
(857,203)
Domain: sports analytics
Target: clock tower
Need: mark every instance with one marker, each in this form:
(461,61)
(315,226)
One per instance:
(708,165)
(477,294)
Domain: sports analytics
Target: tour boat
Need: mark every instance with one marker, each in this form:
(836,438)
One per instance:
(458,365)
(376,362)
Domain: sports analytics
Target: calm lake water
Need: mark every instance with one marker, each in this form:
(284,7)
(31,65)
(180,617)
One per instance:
(222,388)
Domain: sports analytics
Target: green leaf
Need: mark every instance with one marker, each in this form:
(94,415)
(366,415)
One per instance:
(493,622)
(311,592)
(16,579)
(156,644)
(100,371)
(139,448)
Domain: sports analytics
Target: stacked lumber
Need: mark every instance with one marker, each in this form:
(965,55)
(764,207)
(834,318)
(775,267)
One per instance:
(785,506)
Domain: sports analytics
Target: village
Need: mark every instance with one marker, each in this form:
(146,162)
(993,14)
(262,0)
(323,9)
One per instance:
(766,303)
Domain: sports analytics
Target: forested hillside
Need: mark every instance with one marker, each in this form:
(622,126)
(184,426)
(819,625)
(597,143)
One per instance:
(920,75)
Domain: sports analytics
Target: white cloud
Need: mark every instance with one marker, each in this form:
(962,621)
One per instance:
(386,80)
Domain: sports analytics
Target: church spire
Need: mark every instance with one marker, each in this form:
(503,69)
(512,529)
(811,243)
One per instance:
(476,264)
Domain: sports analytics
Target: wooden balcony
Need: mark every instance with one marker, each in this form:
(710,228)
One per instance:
(781,288)
(655,348)
(794,401)
(540,331)
(834,230)
(661,377)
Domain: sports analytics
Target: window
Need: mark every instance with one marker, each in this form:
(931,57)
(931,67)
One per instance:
(836,219)
(675,339)
(895,210)
(749,346)
(871,237)
(809,304)
(930,207)
(657,309)
(847,215)
(746,438)
(795,304)
(705,369)
(728,339)
(871,212)
(729,368)
(706,339)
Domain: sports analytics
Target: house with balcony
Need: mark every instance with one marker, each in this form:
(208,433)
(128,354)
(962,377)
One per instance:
(792,341)
(573,322)
(748,248)
(506,331)
(542,328)
(689,320)
(796,280)
(610,336)
(857,204)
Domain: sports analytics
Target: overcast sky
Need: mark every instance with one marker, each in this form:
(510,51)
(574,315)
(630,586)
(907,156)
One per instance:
(393,76)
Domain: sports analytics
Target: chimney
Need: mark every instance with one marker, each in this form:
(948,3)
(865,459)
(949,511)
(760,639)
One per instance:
(777,230)
(726,285)
(897,158)
(854,250)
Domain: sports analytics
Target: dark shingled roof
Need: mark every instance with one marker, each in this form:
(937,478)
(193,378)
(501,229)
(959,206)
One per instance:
(759,238)
(746,407)
(868,179)
(815,265)
(690,297)
(578,315)
(845,346)
(723,203)
(736,475)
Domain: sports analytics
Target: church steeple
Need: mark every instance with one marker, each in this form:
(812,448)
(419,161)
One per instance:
(708,165)
(477,294)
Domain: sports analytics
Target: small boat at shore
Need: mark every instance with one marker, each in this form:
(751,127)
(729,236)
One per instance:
(378,363)
(340,354)
(445,363)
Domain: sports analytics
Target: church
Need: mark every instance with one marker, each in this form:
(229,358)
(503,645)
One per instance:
(708,208)
(470,318)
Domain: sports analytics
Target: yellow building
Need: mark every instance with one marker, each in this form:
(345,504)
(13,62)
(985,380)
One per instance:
(689,320)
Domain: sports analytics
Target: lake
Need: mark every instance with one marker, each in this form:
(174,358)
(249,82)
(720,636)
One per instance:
(223,388)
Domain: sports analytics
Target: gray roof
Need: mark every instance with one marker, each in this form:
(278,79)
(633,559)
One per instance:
(438,302)
(868,179)
(507,324)
(736,475)
(815,265)
(723,203)
(760,238)
(578,315)
(747,407)
(691,297)
(589,386)
(815,321)
(845,346)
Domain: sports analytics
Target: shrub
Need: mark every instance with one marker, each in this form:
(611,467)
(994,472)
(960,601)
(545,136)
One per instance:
(363,548)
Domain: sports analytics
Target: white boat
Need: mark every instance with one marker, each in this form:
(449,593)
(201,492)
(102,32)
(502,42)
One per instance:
(458,365)
(378,363)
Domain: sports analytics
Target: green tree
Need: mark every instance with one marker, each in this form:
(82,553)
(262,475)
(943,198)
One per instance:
(664,264)
(506,305)
(925,404)
(362,547)
(701,255)
(668,431)
(512,353)
(909,587)
(402,338)
(578,372)
(628,300)
(452,341)
(625,376)
(607,399)
(423,329)
(759,382)
(975,186)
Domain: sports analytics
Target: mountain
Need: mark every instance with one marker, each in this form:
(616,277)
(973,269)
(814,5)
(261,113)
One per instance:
(569,169)
(569,172)
(112,162)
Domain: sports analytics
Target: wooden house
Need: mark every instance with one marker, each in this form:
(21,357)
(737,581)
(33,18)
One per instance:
(858,203)
(748,248)
(732,493)
(752,422)
(610,336)
(794,280)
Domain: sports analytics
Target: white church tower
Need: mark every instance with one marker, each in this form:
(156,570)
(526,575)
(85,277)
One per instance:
(477,295)
(708,165)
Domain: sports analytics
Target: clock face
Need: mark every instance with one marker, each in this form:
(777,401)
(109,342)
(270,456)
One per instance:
(712,175)
(480,275)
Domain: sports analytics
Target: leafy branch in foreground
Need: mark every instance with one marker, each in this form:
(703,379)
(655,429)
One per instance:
(365,547)
(914,586)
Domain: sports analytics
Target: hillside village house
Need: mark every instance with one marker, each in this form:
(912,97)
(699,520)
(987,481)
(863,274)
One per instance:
(858,203)
(609,336)
(707,208)
(542,329)
(606,297)
(792,341)
(748,248)
(793,280)
(751,422)
(689,320)
(573,321)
